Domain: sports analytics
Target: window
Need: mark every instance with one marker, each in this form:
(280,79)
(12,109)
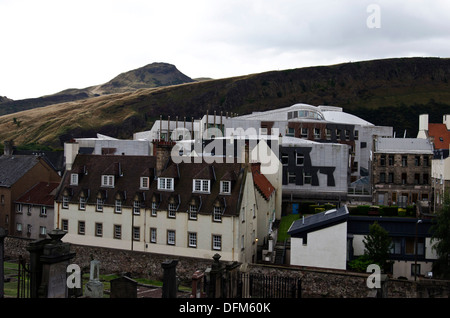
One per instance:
(42,230)
(192,212)
(217,214)
(99,206)
(107,180)
(307,178)
(396,247)
(152,235)
(391,177)
(165,183)
(29,228)
(170,237)
(192,239)
(404,178)
(356,133)
(136,233)
(404,161)
(82,205)
(416,178)
(415,269)
(328,133)
(98,229)
(74,179)
(290,132)
(391,160)
(382,177)
(65,225)
(417,161)
(426,161)
(216,242)
(284,159)
(136,207)
(172,210)
(201,185)
(299,159)
(43,212)
(291,178)
(304,133)
(118,206)
(382,160)
(317,133)
(81,227)
(19,208)
(425,178)
(242,242)
(154,206)
(145,182)
(19,227)
(225,186)
(65,202)
(118,231)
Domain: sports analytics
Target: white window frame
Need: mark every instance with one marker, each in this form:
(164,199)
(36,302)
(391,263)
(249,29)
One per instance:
(118,206)
(136,233)
(42,230)
(43,211)
(216,242)
(117,231)
(74,179)
(225,187)
(99,205)
(108,180)
(217,214)
(65,202)
(153,235)
(302,159)
(171,237)
(81,227)
(98,229)
(171,210)
(19,208)
(192,239)
(145,183)
(82,205)
(154,207)
(136,207)
(201,185)
(165,183)
(19,227)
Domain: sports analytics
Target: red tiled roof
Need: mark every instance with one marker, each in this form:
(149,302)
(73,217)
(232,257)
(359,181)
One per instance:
(262,184)
(441,135)
(40,194)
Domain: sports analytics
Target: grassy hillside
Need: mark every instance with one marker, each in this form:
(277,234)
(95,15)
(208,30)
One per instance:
(386,92)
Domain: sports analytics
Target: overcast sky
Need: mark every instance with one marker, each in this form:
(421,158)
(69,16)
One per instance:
(51,45)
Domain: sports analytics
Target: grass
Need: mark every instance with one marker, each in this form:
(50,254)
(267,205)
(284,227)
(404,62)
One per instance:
(285,224)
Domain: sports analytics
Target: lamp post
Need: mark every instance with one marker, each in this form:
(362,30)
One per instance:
(415,250)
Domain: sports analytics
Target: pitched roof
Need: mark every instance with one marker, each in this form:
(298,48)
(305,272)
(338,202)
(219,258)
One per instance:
(318,221)
(42,193)
(441,135)
(262,184)
(14,167)
(127,185)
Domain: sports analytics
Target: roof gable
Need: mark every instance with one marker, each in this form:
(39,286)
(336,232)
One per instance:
(440,134)
(12,168)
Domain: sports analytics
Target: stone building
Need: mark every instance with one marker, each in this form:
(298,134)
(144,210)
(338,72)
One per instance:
(401,171)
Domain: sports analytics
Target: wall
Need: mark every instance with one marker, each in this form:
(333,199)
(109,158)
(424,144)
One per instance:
(315,282)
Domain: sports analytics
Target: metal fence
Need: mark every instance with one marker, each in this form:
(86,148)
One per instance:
(269,286)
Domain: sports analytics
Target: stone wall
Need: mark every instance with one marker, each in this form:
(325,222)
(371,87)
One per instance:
(315,282)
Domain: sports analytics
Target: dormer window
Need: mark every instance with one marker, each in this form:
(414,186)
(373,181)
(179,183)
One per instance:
(145,183)
(107,180)
(200,185)
(225,187)
(74,179)
(165,183)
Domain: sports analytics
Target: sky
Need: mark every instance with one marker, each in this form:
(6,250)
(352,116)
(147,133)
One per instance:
(51,45)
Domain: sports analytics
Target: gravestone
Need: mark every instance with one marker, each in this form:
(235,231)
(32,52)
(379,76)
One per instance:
(123,287)
(94,287)
(170,287)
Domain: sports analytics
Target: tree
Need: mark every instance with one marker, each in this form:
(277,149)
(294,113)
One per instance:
(441,240)
(377,245)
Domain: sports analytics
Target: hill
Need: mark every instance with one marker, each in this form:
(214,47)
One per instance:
(391,92)
(151,75)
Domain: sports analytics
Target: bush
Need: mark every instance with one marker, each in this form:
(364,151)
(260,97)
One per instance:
(360,264)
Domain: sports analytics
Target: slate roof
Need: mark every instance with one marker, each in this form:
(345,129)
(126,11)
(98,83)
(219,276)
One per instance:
(14,167)
(127,184)
(42,193)
(318,221)
(404,145)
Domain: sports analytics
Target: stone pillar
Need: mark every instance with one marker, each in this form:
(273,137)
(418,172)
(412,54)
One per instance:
(197,283)
(170,288)
(54,258)
(3,234)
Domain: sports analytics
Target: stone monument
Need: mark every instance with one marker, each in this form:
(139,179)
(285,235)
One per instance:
(94,287)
